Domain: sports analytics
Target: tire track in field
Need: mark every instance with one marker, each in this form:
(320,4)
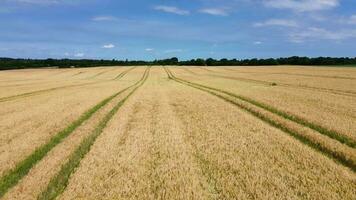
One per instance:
(17,135)
(124,148)
(100,73)
(13,176)
(38,92)
(267,83)
(292,74)
(341,151)
(59,182)
(79,73)
(122,74)
(31,185)
(49,81)
(206,69)
(41,81)
(171,147)
(147,158)
(15,80)
(189,71)
(28,94)
(62,72)
(330,133)
(327,90)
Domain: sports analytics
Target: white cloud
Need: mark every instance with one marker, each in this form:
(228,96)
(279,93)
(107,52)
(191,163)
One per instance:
(215,11)
(149,49)
(257,42)
(277,22)
(66,54)
(302,5)
(108,46)
(79,55)
(314,33)
(172,9)
(104,18)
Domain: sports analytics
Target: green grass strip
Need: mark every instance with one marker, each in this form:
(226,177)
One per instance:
(322,130)
(59,182)
(340,158)
(12,177)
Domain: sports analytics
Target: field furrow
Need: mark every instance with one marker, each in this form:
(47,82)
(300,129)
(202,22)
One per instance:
(40,174)
(25,125)
(11,177)
(28,94)
(264,82)
(48,84)
(100,73)
(318,111)
(242,154)
(49,81)
(60,181)
(316,73)
(123,73)
(332,134)
(144,142)
(343,154)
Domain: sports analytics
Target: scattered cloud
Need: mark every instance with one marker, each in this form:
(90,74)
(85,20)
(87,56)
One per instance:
(104,18)
(215,11)
(314,33)
(149,49)
(172,9)
(302,5)
(79,55)
(277,22)
(257,42)
(108,46)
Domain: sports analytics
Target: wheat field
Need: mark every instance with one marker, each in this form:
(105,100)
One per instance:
(156,132)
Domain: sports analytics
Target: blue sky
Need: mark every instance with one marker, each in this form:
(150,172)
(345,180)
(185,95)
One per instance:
(155,29)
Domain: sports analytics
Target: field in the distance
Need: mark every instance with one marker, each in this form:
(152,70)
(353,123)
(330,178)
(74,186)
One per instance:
(281,132)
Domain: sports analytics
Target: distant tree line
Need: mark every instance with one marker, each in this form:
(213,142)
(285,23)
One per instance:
(295,60)
(10,63)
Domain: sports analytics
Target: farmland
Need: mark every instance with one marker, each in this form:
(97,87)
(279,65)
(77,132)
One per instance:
(178,133)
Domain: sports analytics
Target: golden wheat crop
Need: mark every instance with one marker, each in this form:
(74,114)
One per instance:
(178,133)
(321,107)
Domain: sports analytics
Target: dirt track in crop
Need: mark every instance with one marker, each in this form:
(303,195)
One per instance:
(178,133)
